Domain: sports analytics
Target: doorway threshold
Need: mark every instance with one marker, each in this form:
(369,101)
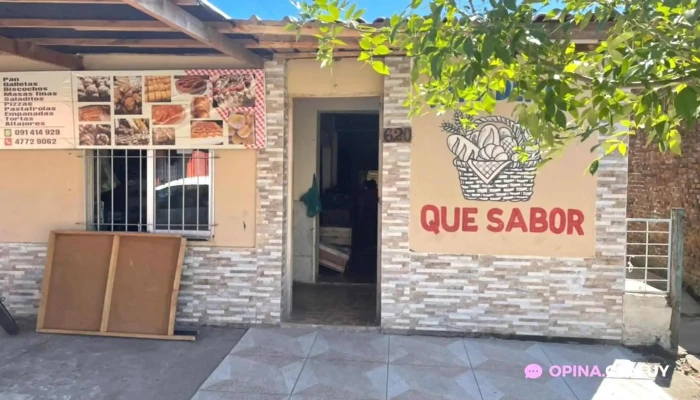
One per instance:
(337,305)
(338,328)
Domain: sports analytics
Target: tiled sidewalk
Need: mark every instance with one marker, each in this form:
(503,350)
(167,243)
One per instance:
(285,363)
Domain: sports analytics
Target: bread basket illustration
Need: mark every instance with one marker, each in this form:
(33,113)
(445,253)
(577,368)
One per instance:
(486,160)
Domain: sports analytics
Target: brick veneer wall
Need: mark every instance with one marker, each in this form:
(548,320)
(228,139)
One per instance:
(220,286)
(572,297)
(659,182)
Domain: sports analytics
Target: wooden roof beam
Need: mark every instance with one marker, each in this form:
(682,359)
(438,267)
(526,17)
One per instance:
(86,24)
(590,33)
(33,52)
(178,43)
(168,13)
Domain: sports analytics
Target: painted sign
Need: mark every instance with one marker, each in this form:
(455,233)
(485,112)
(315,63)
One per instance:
(170,109)
(36,111)
(472,194)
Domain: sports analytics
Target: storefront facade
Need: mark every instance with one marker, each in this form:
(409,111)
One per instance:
(572,287)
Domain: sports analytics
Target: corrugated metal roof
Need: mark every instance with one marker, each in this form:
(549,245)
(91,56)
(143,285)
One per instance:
(72,11)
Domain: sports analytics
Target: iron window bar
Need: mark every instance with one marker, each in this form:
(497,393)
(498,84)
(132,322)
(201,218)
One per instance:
(102,178)
(630,255)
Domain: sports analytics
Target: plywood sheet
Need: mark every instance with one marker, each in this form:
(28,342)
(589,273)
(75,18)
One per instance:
(77,276)
(147,267)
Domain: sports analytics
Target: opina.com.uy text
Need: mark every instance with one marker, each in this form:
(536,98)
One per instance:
(623,370)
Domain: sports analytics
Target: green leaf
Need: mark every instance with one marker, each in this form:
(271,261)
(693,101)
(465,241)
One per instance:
(504,54)
(686,103)
(619,39)
(489,103)
(395,24)
(585,20)
(416,3)
(327,18)
(415,73)
(593,167)
(560,118)
(622,148)
(571,67)
(381,50)
(487,47)
(510,4)
(571,48)
(380,67)
(469,75)
(379,39)
(616,56)
(436,67)
(338,42)
(674,143)
(468,48)
(364,56)
(365,43)
(290,27)
(549,103)
(350,11)
(334,12)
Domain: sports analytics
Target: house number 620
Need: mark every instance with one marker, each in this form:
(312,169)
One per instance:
(398,135)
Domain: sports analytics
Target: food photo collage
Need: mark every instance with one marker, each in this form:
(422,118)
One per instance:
(160,109)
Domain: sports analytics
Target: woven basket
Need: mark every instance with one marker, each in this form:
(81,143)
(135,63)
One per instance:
(514,182)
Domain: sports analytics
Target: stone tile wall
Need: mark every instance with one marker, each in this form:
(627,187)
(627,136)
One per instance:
(571,297)
(575,297)
(220,286)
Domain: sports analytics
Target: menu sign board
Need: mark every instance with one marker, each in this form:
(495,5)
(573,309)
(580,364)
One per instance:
(170,109)
(36,111)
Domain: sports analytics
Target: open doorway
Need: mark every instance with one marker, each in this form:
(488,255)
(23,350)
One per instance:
(344,291)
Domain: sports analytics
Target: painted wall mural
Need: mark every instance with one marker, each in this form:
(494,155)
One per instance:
(471,194)
(486,158)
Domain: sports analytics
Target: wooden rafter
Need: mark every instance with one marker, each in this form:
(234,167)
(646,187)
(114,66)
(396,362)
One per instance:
(178,43)
(175,17)
(137,43)
(313,55)
(34,52)
(86,25)
(275,28)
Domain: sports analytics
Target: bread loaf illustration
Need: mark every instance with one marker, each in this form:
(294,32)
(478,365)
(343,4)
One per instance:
(487,158)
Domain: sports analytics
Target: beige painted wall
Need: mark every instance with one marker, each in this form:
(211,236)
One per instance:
(34,203)
(40,190)
(156,62)
(435,181)
(305,149)
(10,63)
(234,198)
(124,62)
(347,78)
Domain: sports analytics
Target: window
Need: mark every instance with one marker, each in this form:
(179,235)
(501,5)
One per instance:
(167,191)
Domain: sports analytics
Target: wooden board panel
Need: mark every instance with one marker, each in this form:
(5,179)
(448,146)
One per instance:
(124,335)
(76,279)
(147,266)
(333,257)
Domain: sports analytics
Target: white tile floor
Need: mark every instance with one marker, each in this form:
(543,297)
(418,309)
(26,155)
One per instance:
(282,363)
